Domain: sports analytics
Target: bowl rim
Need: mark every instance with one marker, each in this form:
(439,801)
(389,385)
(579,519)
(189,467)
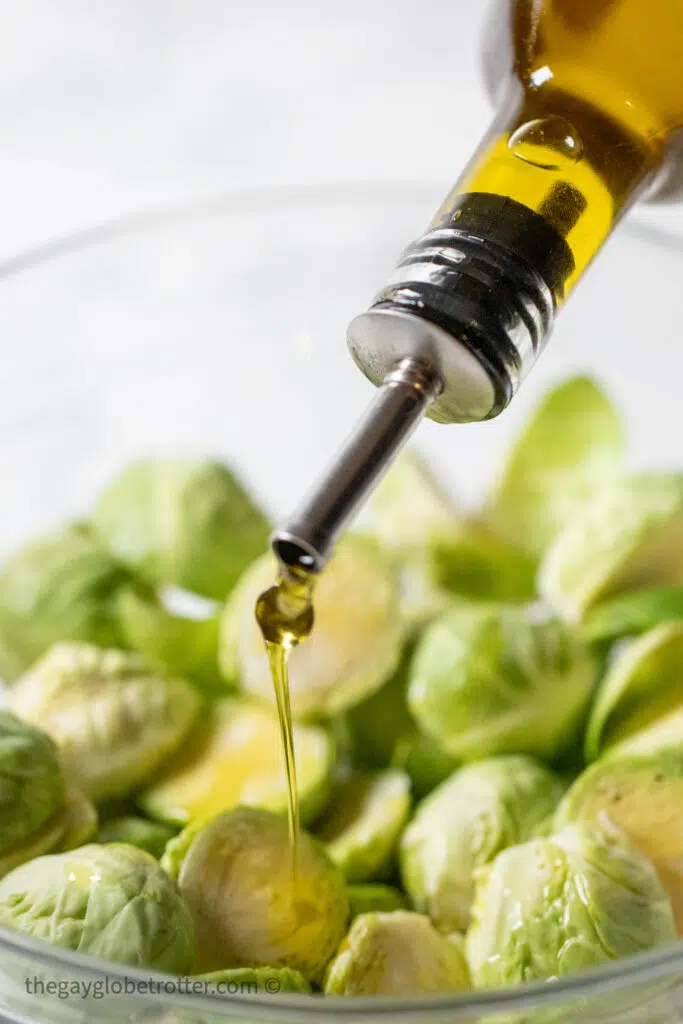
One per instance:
(626,974)
(239,201)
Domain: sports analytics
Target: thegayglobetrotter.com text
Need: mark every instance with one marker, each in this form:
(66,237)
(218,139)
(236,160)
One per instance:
(124,986)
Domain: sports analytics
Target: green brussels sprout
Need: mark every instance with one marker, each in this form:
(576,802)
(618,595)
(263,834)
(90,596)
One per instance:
(641,685)
(45,839)
(626,537)
(256,980)
(354,648)
(634,613)
(573,444)
(183,522)
(170,643)
(111,901)
(234,757)
(424,761)
(438,550)
(640,793)
(555,906)
(482,809)
(377,724)
(409,504)
(371,898)
(73,824)
(395,954)
(252,905)
(419,598)
(176,848)
(32,786)
(151,836)
(361,827)
(58,588)
(79,821)
(113,720)
(476,563)
(490,679)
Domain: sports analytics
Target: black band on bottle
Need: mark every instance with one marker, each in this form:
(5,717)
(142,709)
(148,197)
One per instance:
(521,231)
(491,273)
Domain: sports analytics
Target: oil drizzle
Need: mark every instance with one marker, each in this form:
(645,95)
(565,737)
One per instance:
(285,614)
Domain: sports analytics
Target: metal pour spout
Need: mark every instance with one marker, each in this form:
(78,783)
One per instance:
(462,319)
(406,393)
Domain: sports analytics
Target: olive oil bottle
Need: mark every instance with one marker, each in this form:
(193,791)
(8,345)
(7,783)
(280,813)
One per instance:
(589,98)
(590,101)
(589,119)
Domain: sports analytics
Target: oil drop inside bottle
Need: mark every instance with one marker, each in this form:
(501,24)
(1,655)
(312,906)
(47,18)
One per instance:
(551,143)
(285,614)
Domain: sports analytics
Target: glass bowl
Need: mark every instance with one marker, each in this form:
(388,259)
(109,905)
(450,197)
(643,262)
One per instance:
(220,328)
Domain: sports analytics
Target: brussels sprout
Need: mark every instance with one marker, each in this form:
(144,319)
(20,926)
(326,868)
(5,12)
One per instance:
(424,761)
(555,906)
(377,724)
(395,954)
(234,757)
(371,898)
(181,521)
(45,839)
(176,848)
(32,786)
(113,720)
(628,536)
(73,824)
(112,901)
(641,684)
(492,679)
(355,646)
(170,643)
(252,905)
(438,549)
(635,613)
(256,980)
(57,588)
(361,827)
(151,836)
(482,809)
(79,821)
(409,504)
(640,793)
(420,600)
(474,562)
(574,442)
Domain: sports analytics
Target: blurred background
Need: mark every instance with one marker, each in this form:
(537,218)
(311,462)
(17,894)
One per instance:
(106,108)
(110,109)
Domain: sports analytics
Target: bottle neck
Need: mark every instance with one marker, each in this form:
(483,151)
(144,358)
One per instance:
(481,288)
(566,161)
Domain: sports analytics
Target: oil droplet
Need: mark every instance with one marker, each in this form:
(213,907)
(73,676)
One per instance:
(551,143)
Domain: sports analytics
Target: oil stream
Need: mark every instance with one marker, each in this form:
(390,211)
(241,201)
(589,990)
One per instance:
(285,614)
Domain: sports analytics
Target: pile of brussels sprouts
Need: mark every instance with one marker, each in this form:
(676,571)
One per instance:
(488,727)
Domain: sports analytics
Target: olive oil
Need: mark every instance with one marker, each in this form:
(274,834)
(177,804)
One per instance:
(285,614)
(590,118)
(590,100)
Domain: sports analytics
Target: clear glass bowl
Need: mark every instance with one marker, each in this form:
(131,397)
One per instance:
(220,328)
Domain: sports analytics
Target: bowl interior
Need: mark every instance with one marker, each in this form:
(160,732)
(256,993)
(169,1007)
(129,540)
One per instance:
(221,329)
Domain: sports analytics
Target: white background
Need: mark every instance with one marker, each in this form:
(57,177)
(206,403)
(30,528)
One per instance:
(112,106)
(107,106)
